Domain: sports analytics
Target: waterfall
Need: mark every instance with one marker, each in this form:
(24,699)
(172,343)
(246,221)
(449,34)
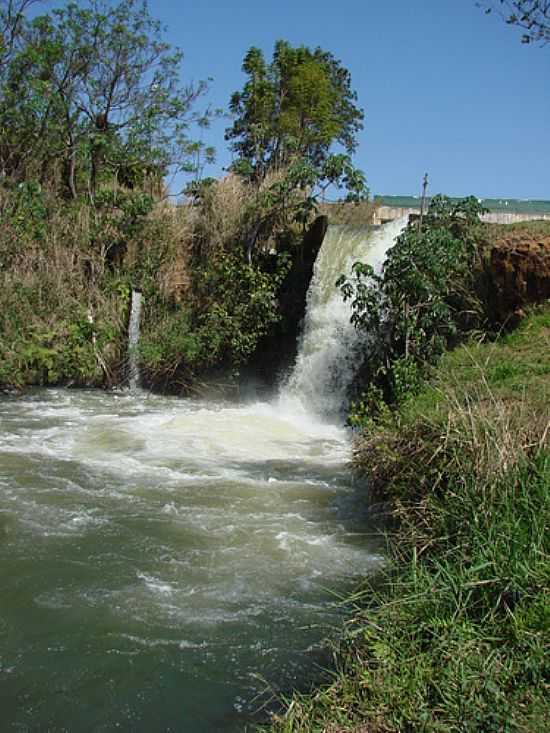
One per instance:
(329,348)
(133,340)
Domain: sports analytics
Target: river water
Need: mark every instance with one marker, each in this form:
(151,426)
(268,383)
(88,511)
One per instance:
(167,561)
(162,559)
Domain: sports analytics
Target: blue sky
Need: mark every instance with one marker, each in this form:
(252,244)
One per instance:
(445,88)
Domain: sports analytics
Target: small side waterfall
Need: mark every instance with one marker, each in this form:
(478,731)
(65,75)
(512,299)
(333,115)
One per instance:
(133,340)
(329,352)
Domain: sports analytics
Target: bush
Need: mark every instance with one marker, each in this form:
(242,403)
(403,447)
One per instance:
(423,301)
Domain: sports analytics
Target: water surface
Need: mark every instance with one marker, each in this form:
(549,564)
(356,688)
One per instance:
(161,558)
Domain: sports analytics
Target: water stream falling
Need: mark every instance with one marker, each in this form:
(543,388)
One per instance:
(161,556)
(328,353)
(133,340)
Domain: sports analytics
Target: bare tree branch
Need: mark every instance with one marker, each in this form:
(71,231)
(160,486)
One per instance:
(12,14)
(533,16)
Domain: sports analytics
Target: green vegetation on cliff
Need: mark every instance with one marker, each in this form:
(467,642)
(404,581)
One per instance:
(453,634)
(92,118)
(446,278)
(67,271)
(423,301)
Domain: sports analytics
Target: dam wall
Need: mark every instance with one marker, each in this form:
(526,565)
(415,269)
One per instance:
(384,214)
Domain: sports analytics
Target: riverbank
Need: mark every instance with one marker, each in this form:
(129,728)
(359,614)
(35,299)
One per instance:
(452,635)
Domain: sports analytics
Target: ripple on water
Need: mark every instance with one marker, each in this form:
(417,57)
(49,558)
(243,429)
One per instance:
(158,539)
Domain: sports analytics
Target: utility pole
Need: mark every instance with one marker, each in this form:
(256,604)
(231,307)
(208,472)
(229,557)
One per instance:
(422,201)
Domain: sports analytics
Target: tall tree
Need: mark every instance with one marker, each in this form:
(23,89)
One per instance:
(97,88)
(295,107)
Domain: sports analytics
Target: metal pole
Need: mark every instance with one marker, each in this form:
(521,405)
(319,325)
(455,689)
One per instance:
(423,201)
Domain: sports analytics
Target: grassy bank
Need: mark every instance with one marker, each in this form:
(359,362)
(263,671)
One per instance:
(452,636)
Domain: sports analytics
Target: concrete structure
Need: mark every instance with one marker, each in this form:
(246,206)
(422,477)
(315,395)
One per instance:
(384,214)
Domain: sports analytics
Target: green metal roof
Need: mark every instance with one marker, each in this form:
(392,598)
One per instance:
(519,206)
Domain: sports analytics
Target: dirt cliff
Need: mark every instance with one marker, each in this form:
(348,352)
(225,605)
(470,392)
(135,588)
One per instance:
(516,270)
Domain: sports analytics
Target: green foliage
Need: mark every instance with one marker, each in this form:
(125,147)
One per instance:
(172,351)
(242,305)
(287,119)
(65,353)
(369,410)
(289,199)
(296,106)
(235,305)
(423,300)
(92,113)
(61,312)
(27,210)
(120,218)
(84,264)
(294,110)
(89,92)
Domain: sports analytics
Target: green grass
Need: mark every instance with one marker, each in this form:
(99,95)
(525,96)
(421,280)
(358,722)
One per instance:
(516,365)
(535,228)
(453,636)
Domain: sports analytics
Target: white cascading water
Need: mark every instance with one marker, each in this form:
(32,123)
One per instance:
(327,354)
(133,340)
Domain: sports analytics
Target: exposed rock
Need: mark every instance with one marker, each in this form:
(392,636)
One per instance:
(277,350)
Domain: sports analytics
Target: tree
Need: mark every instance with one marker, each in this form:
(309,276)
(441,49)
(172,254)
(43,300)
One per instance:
(533,16)
(12,16)
(296,107)
(423,300)
(95,88)
(287,119)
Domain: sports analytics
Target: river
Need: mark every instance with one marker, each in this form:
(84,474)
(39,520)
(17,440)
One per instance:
(164,559)
(168,564)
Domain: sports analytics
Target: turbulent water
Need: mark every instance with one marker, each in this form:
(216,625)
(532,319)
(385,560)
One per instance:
(158,554)
(166,561)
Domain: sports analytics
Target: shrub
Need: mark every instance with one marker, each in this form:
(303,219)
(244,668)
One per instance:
(422,302)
